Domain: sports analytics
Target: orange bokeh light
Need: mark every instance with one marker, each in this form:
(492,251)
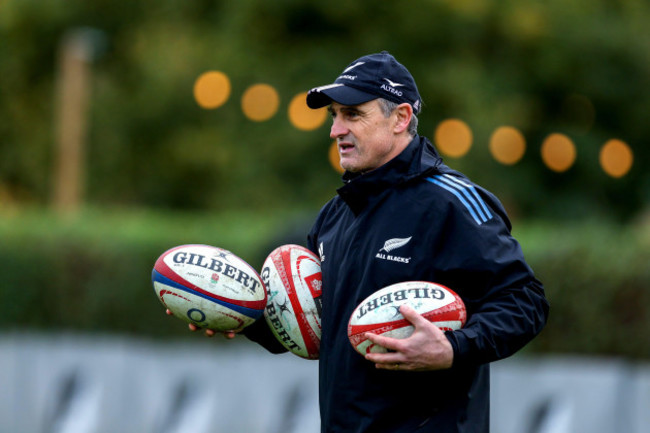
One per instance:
(453,137)
(211,89)
(558,152)
(260,102)
(507,145)
(616,158)
(303,117)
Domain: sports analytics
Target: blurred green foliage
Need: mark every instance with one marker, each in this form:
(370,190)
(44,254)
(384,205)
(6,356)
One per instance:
(187,175)
(597,279)
(488,62)
(93,274)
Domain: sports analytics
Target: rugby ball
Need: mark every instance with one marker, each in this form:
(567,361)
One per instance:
(209,287)
(292,276)
(379,313)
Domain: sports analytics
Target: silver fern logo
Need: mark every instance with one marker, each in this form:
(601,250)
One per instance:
(391,245)
(395,243)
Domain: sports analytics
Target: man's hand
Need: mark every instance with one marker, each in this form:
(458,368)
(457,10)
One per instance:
(426,349)
(208,332)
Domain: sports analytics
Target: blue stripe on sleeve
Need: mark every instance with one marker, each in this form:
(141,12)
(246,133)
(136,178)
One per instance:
(467,195)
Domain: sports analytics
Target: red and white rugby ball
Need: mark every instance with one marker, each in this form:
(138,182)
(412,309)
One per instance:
(379,312)
(292,276)
(209,287)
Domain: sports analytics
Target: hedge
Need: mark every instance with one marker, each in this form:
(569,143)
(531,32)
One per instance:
(92,273)
(597,278)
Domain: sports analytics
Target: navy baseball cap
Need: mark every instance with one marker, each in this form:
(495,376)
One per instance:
(367,78)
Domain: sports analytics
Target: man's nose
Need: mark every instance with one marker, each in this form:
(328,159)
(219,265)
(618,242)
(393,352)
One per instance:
(338,129)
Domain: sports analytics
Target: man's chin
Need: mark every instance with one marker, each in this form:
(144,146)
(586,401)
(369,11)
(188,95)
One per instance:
(350,164)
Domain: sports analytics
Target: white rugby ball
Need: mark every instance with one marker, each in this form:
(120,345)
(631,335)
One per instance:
(292,276)
(379,313)
(209,287)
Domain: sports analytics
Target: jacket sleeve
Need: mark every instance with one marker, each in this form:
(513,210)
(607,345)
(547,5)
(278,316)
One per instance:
(261,333)
(506,304)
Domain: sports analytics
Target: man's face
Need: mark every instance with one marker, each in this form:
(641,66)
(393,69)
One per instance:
(365,137)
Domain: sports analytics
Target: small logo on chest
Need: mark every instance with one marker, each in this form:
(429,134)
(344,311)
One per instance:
(385,252)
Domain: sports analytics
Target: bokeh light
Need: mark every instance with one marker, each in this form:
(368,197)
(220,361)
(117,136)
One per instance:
(507,145)
(212,89)
(260,102)
(558,152)
(453,138)
(616,158)
(303,117)
(335,161)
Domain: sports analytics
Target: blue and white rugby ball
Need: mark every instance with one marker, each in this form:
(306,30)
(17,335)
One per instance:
(209,287)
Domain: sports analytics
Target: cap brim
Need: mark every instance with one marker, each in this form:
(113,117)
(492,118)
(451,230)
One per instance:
(345,95)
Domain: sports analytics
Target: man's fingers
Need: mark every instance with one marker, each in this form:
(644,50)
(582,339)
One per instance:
(385,360)
(412,316)
(208,332)
(387,342)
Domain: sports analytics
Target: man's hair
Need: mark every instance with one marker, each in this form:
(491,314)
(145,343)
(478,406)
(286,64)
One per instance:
(387,107)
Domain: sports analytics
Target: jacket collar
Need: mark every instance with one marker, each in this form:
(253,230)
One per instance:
(418,158)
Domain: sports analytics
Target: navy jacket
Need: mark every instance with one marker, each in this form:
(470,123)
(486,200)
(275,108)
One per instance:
(459,236)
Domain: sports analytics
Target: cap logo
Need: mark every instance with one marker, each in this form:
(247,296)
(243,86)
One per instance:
(349,68)
(393,84)
(328,86)
(391,90)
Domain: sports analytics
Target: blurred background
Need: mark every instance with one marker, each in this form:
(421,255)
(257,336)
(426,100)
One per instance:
(128,129)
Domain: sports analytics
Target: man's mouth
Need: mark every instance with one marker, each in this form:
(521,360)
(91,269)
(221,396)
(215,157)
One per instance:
(345,147)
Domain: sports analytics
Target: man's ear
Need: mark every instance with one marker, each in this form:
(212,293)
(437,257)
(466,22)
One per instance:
(403,115)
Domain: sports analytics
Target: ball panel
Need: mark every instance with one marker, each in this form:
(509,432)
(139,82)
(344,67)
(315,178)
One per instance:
(191,309)
(209,286)
(291,258)
(379,312)
(383,305)
(292,276)
(450,317)
(205,270)
(294,323)
(169,285)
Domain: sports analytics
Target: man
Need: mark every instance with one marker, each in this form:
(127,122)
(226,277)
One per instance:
(453,233)
(396,187)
